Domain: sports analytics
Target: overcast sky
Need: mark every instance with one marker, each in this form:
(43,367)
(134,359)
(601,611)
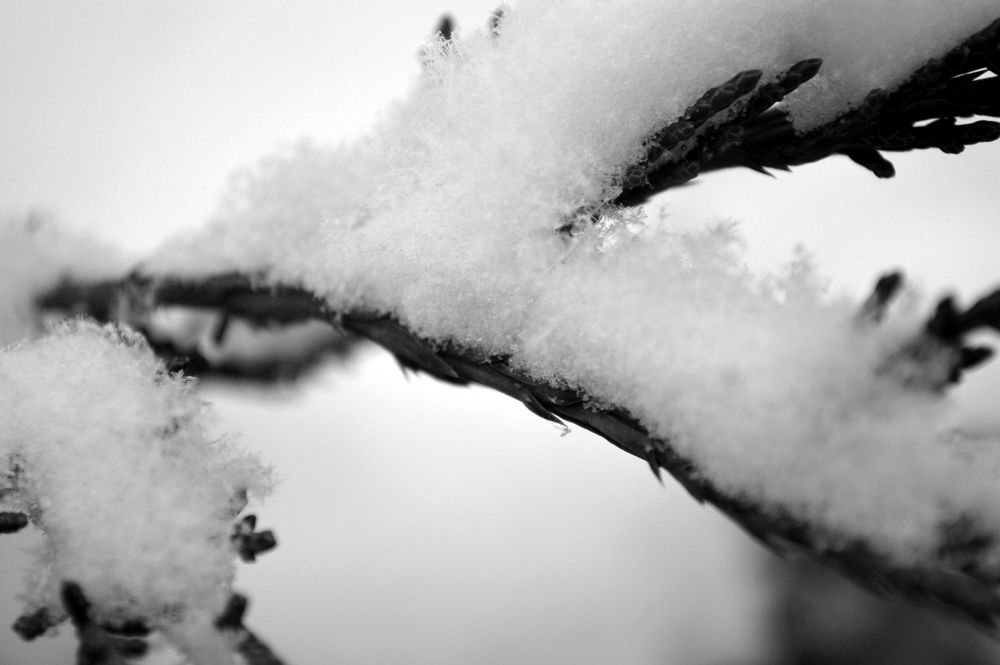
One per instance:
(421,523)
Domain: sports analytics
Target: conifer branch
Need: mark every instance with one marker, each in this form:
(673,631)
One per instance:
(97,646)
(736,123)
(921,113)
(247,644)
(11,522)
(960,580)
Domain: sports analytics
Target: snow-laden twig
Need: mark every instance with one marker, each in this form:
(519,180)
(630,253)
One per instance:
(962,575)
(135,501)
(818,425)
(919,114)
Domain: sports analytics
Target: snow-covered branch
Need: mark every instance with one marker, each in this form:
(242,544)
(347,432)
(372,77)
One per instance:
(109,455)
(487,233)
(958,574)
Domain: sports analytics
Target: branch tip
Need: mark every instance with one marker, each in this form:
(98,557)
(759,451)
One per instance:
(12,522)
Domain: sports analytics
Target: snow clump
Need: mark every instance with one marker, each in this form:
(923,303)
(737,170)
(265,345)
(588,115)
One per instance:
(109,455)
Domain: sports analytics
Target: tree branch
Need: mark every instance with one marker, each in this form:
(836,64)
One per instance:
(959,580)
(762,136)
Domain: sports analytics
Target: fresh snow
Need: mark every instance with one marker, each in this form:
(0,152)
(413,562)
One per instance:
(110,456)
(445,216)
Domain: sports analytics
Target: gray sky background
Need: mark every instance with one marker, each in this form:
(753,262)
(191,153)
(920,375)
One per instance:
(421,523)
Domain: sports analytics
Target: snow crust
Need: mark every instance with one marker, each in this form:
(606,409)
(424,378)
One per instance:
(445,218)
(110,456)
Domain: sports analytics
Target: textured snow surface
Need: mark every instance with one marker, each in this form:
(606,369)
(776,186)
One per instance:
(109,455)
(445,217)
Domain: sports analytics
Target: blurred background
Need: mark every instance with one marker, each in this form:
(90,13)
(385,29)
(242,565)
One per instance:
(418,522)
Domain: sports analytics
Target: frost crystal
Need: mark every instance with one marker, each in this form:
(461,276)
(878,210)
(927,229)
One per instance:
(109,456)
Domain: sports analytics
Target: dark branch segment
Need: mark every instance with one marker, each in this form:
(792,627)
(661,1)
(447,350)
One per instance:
(31,626)
(248,542)
(940,354)
(672,154)
(885,291)
(97,646)
(445,28)
(11,522)
(968,589)
(117,644)
(248,645)
(264,309)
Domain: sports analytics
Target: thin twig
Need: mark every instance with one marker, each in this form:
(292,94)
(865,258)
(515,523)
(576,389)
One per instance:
(762,136)
(97,647)
(247,644)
